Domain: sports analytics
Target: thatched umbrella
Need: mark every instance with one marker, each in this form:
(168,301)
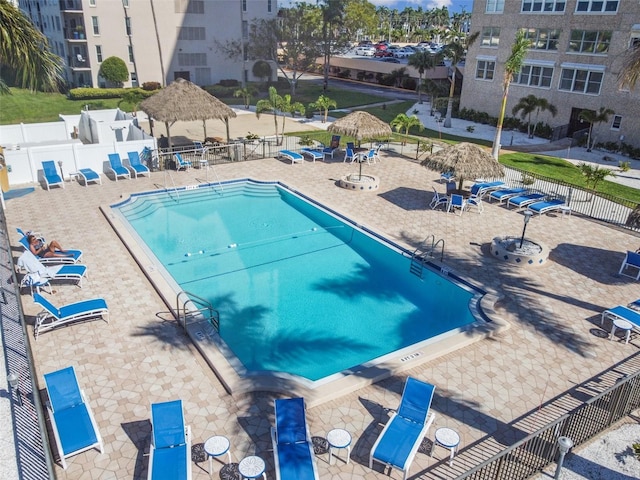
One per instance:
(466,160)
(360,125)
(185,101)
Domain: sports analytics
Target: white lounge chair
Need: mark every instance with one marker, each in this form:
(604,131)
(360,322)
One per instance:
(170,454)
(117,168)
(295,157)
(136,166)
(438,199)
(313,153)
(38,276)
(50,173)
(547,206)
(89,175)
(52,317)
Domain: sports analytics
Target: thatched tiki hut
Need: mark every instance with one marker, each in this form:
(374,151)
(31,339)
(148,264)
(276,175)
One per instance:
(361,126)
(466,161)
(185,101)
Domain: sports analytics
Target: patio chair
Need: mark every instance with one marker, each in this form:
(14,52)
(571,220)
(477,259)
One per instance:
(349,155)
(38,276)
(447,177)
(170,453)
(545,207)
(457,201)
(438,200)
(295,157)
(117,168)
(136,166)
(402,435)
(451,187)
(486,187)
(631,260)
(201,151)
(506,193)
(74,428)
(313,153)
(475,201)
(521,201)
(333,146)
(52,317)
(181,163)
(89,175)
(51,176)
(351,145)
(74,256)
(292,447)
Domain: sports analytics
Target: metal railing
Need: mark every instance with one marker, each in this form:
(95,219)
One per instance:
(538,450)
(203,310)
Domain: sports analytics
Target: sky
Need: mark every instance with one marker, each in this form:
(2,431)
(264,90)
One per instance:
(454,6)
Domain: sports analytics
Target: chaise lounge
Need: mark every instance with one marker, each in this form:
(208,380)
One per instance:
(38,276)
(170,454)
(295,157)
(52,317)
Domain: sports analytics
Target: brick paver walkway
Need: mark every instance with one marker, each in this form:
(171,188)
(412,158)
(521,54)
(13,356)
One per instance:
(490,392)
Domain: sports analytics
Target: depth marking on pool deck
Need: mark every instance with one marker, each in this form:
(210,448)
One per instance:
(411,356)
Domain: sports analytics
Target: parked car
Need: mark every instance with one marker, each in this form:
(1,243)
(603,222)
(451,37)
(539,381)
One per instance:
(381,46)
(365,43)
(389,60)
(382,54)
(403,52)
(365,50)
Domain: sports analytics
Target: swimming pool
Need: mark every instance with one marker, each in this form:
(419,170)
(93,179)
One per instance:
(300,289)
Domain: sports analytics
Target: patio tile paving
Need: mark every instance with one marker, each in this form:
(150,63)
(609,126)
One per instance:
(492,392)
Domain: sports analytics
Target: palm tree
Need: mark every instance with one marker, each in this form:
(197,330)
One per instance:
(455,51)
(324,103)
(630,72)
(405,122)
(422,61)
(593,175)
(529,104)
(271,104)
(246,93)
(511,67)
(594,118)
(288,107)
(25,50)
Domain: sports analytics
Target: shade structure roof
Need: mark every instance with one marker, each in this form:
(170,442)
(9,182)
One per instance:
(185,101)
(360,125)
(466,160)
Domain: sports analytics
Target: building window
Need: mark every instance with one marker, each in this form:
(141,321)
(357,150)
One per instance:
(581,80)
(245,30)
(127,25)
(130,49)
(589,41)
(58,23)
(134,79)
(189,6)
(244,5)
(490,37)
(99,53)
(485,69)
(92,3)
(543,6)
(192,59)
(542,38)
(191,33)
(617,121)
(96,25)
(269,6)
(495,6)
(534,76)
(125,3)
(597,6)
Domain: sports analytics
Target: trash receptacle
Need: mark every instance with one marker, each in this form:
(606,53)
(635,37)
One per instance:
(236,153)
(4,174)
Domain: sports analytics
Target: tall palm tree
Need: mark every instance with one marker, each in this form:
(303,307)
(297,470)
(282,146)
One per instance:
(630,72)
(246,93)
(25,50)
(455,51)
(324,103)
(594,118)
(405,122)
(271,104)
(511,67)
(529,104)
(423,61)
(289,107)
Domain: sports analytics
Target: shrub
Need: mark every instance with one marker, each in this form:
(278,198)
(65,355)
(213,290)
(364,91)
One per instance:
(624,166)
(344,73)
(409,83)
(360,75)
(306,141)
(151,86)
(230,82)
(114,70)
(471,128)
(103,93)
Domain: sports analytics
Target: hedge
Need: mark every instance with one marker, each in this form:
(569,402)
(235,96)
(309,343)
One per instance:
(102,93)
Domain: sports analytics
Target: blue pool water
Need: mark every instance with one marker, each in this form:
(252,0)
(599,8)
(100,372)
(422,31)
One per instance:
(299,289)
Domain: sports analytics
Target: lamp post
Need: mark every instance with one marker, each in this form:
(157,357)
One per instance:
(527,217)
(13,380)
(564,444)
(61,172)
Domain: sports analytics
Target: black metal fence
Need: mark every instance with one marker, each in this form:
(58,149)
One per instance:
(535,452)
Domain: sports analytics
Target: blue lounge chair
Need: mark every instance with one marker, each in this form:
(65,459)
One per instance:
(170,455)
(631,260)
(486,187)
(292,446)
(52,317)
(545,207)
(73,255)
(117,168)
(401,437)
(333,146)
(622,313)
(349,155)
(506,193)
(447,177)
(51,176)
(181,163)
(89,175)
(38,276)
(521,201)
(136,165)
(313,153)
(72,421)
(295,157)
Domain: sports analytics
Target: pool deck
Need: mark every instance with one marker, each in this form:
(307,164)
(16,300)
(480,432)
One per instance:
(492,392)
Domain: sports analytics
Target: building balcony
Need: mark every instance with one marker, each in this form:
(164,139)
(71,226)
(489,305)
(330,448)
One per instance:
(70,6)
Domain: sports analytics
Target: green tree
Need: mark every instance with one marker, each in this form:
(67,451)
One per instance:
(455,52)
(246,93)
(131,98)
(405,122)
(529,104)
(511,67)
(334,39)
(287,106)
(594,175)
(114,70)
(25,52)
(423,61)
(324,103)
(359,19)
(272,105)
(262,70)
(594,118)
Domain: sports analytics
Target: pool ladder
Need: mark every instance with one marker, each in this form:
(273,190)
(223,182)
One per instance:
(424,250)
(200,309)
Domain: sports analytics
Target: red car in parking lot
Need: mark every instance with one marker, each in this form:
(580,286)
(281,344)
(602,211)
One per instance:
(382,54)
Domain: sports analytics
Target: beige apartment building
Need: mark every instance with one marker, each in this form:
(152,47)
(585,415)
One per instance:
(158,39)
(574,60)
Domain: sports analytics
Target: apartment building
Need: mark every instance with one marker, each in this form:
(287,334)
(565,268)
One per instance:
(576,54)
(157,39)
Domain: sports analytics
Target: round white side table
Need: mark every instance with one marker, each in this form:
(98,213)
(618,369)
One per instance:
(216,446)
(448,438)
(622,325)
(339,438)
(252,467)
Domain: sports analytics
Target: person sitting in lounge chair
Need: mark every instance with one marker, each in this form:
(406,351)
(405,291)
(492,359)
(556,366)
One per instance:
(42,250)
